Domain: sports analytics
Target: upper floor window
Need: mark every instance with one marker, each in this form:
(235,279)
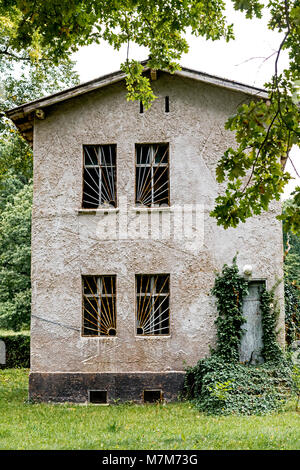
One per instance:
(99,176)
(152,304)
(152,175)
(99,305)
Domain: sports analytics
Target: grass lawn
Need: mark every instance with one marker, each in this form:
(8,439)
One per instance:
(170,426)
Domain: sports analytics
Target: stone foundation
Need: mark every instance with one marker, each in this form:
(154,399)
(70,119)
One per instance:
(120,387)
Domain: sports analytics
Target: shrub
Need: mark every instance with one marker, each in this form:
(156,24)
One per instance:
(17,347)
(220,387)
(292,311)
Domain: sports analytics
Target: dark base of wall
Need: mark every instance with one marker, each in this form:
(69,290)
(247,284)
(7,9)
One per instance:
(75,387)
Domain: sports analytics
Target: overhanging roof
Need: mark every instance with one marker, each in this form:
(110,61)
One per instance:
(23,115)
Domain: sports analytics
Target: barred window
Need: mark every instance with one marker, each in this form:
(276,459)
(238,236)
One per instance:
(152,304)
(152,175)
(99,306)
(99,176)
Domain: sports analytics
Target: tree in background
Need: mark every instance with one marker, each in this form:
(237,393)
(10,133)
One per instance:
(22,78)
(265,130)
(291,245)
(15,251)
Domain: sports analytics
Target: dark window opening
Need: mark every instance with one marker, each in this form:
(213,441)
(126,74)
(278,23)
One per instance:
(152,175)
(141,107)
(99,176)
(167,104)
(98,396)
(152,396)
(99,306)
(152,304)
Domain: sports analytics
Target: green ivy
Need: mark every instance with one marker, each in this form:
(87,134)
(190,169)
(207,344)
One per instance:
(222,388)
(230,289)
(292,312)
(220,384)
(271,351)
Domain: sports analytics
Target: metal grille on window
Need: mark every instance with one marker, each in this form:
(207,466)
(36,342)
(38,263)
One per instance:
(99,306)
(152,175)
(152,304)
(99,176)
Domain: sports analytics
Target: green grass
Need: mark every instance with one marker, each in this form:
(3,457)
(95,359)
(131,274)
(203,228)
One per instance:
(170,426)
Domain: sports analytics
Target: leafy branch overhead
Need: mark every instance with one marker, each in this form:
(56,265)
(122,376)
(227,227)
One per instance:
(265,131)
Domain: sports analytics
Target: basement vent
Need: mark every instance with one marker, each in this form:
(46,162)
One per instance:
(98,396)
(152,396)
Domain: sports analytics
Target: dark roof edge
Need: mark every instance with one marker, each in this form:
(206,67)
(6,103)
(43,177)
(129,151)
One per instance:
(21,111)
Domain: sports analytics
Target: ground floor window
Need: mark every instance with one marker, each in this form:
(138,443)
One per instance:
(152,304)
(99,306)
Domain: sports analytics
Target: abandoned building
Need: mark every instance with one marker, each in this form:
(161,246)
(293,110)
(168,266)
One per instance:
(124,252)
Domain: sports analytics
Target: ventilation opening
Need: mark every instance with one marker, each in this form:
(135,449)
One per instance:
(167,104)
(152,396)
(141,108)
(98,396)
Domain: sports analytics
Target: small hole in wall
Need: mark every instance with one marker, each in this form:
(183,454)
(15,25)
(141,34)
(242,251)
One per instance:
(141,107)
(98,396)
(167,104)
(152,396)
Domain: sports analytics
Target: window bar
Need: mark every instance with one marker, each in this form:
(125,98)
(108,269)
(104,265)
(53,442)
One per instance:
(144,298)
(142,182)
(151,325)
(106,183)
(97,192)
(157,296)
(105,321)
(101,174)
(99,326)
(157,308)
(139,196)
(140,295)
(112,172)
(99,290)
(148,199)
(109,185)
(149,300)
(99,184)
(150,187)
(151,163)
(99,305)
(93,189)
(87,194)
(113,303)
(97,312)
(146,319)
(107,302)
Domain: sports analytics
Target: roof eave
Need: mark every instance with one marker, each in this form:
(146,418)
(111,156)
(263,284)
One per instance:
(23,116)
